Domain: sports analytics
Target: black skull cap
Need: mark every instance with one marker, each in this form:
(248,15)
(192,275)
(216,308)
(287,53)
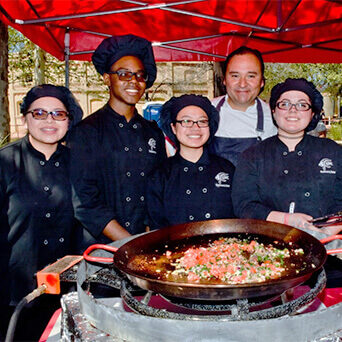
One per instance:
(113,48)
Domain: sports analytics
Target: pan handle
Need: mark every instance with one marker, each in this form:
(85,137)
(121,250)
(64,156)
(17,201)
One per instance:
(87,257)
(332,238)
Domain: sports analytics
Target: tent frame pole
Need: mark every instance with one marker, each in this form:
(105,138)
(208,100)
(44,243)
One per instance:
(67,56)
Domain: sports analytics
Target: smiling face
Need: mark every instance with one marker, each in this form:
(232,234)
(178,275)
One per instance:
(292,121)
(45,134)
(243,81)
(191,137)
(124,95)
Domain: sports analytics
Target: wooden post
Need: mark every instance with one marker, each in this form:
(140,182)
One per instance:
(4,112)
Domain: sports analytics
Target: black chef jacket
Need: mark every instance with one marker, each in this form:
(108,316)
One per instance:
(180,191)
(37,217)
(268,177)
(110,162)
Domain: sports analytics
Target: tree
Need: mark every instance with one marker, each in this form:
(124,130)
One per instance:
(4,113)
(30,65)
(326,77)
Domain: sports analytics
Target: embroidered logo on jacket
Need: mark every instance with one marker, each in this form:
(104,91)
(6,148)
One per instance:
(326,164)
(222,180)
(153,145)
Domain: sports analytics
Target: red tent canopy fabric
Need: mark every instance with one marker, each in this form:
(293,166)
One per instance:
(300,31)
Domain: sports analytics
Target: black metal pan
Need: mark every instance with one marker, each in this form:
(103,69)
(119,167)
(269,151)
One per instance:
(161,240)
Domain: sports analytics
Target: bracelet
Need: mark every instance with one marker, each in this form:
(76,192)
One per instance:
(286,218)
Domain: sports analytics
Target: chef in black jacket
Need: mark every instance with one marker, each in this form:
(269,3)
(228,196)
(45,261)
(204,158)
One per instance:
(115,148)
(192,185)
(36,212)
(291,177)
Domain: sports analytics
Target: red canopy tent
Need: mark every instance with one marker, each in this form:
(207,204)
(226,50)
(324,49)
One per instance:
(200,30)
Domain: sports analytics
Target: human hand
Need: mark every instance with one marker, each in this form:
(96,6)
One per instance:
(331,230)
(299,220)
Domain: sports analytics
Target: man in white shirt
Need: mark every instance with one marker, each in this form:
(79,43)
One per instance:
(244,118)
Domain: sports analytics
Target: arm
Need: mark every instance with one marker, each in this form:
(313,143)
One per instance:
(85,178)
(155,201)
(246,197)
(115,231)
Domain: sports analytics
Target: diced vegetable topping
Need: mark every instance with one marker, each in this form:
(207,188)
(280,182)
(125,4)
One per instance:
(232,260)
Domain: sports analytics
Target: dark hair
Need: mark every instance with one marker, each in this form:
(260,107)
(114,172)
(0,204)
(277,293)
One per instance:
(244,50)
(59,92)
(172,107)
(300,84)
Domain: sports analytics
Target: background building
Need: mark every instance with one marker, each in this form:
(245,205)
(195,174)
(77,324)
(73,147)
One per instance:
(173,79)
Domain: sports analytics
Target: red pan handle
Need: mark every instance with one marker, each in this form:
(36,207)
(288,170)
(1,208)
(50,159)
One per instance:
(332,238)
(87,257)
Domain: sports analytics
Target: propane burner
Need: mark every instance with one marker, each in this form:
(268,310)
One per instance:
(241,309)
(262,307)
(297,315)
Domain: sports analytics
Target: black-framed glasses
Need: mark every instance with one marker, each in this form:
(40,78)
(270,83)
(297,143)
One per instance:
(190,123)
(124,75)
(300,106)
(41,114)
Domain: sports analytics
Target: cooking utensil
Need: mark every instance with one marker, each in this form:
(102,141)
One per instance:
(327,220)
(314,256)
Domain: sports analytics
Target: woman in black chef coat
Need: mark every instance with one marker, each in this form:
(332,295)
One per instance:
(37,218)
(192,185)
(292,177)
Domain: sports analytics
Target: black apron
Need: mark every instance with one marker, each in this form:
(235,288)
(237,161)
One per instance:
(230,148)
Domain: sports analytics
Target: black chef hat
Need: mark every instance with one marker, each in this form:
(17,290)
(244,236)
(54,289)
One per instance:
(171,108)
(112,49)
(59,92)
(300,84)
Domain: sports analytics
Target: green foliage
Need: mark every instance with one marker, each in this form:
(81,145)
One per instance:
(4,141)
(326,77)
(335,132)
(22,61)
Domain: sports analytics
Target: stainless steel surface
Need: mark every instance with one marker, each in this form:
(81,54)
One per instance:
(113,319)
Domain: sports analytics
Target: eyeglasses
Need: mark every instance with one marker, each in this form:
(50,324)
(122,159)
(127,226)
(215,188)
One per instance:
(190,123)
(300,106)
(125,75)
(41,114)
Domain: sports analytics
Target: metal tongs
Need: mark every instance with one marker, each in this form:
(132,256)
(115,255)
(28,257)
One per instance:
(327,220)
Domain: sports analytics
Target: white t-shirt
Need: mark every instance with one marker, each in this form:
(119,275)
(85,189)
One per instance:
(237,124)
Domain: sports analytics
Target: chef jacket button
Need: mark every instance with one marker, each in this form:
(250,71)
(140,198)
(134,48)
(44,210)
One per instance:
(186,169)
(140,149)
(47,215)
(286,172)
(127,224)
(45,242)
(307,194)
(128,199)
(126,149)
(207,215)
(200,168)
(61,239)
(42,162)
(191,218)
(284,153)
(188,191)
(57,164)
(121,125)
(299,153)
(142,198)
(135,126)
(128,174)
(204,190)
(142,174)
(46,188)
